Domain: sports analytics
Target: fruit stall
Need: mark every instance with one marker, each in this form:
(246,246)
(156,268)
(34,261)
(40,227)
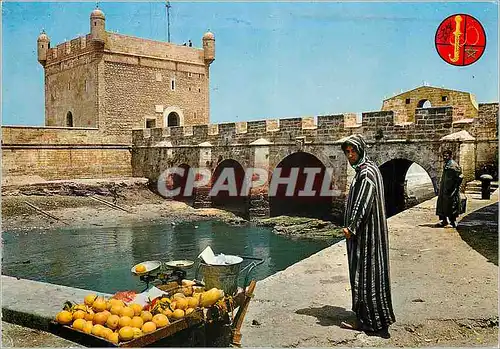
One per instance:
(170,311)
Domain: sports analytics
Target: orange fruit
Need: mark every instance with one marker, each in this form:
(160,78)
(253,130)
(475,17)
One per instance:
(116,310)
(64,317)
(114,301)
(90,315)
(168,313)
(100,318)
(182,303)
(124,321)
(79,324)
(178,314)
(97,330)
(192,302)
(99,304)
(106,332)
(148,327)
(141,268)
(113,321)
(79,314)
(87,328)
(127,311)
(137,308)
(160,320)
(137,332)
(173,305)
(89,299)
(137,322)
(113,337)
(146,316)
(126,333)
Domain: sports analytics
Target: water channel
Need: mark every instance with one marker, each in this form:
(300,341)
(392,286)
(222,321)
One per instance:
(101,259)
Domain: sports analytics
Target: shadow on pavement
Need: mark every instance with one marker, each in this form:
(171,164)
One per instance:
(328,315)
(480,231)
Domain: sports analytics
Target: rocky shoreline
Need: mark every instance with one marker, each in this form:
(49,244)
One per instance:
(89,203)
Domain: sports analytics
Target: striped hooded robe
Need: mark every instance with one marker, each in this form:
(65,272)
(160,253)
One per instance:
(368,246)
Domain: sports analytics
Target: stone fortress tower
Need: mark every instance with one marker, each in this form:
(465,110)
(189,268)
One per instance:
(117,82)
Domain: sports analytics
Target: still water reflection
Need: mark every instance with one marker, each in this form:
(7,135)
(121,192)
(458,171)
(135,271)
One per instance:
(101,259)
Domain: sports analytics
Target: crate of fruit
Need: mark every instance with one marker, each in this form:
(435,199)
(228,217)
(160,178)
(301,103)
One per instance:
(135,320)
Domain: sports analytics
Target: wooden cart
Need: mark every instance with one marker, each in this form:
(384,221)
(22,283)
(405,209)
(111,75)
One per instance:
(191,331)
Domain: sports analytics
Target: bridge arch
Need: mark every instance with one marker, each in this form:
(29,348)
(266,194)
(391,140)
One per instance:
(179,181)
(226,199)
(398,184)
(301,201)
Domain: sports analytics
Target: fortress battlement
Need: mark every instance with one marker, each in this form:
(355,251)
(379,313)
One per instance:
(430,123)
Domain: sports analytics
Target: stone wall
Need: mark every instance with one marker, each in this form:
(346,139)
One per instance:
(137,92)
(405,105)
(119,84)
(430,124)
(63,153)
(143,47)
(72,87)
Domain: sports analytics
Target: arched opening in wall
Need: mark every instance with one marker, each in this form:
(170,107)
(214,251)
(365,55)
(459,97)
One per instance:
(227,181)
(406,184)
(178,181)
(69,119)
(173,119)
(306,199)
(424,103)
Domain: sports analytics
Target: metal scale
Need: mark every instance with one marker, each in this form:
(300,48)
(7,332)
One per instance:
(165,273)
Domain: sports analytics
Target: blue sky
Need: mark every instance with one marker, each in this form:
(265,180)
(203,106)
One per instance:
(273,59)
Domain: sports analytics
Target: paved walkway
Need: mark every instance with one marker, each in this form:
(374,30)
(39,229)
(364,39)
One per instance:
(435,276)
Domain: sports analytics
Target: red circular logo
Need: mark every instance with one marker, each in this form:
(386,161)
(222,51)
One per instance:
(460,40)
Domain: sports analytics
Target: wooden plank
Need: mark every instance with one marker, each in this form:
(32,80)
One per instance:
(44,213)
(240,315)
(91,340)
(110,204)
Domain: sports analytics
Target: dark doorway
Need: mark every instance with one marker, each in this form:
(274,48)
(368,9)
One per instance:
(315,205)
(224,199)
(69,119)
(173,119)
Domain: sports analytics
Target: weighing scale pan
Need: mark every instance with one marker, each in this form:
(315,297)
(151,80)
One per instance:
(181,264)
(150,267)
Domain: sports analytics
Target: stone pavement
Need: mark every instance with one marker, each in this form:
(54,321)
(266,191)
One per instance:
(435,276)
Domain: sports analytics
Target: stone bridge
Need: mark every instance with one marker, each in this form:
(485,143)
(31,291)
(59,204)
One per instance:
(315,142)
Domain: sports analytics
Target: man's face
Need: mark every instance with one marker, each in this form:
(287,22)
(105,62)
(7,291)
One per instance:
(351,154)
(446,157)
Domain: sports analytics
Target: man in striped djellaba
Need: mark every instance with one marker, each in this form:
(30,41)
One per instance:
(365,228)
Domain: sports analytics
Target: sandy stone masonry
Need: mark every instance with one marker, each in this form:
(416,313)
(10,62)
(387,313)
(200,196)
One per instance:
(398,145)
(118,82)
(405,104)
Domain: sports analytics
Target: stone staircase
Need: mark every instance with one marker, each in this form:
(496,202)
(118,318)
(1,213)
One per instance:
(474,187)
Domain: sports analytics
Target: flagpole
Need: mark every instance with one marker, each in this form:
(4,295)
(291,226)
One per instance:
(168,6)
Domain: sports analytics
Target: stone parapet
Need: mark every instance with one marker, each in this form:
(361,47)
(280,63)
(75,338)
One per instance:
(430,124)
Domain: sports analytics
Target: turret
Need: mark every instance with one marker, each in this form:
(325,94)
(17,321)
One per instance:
(43,45)
(97,25)
(209,47)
